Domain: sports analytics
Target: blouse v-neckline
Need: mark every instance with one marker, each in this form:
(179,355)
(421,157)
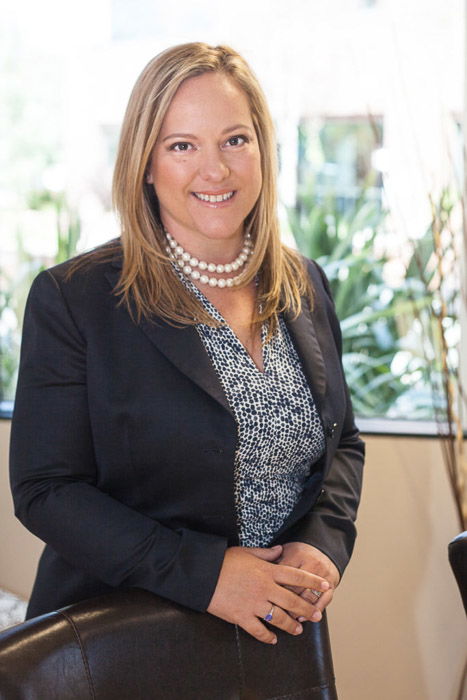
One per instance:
(217,316)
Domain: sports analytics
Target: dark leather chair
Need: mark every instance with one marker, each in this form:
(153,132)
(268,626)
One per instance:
(133,645)
(458,559)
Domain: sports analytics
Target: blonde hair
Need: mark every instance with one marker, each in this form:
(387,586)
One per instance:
(148,283)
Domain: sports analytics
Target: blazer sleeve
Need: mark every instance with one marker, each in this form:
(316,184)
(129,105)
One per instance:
(55,481)
(330,524)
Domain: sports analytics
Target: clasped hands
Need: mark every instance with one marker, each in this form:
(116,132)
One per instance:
(254,581)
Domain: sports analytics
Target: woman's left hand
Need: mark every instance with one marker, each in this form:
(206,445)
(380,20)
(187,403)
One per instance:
(305,556)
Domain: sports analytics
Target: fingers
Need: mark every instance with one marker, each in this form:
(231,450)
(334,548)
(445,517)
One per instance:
(296,605)
(250,580)
(259,631)
(302,556)
(312,595)
(321,602)
(305,556)
(267,553)
(291,576)
(281,619)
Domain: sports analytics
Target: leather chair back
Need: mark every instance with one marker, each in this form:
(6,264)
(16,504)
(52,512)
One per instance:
(458,559)
(132,645)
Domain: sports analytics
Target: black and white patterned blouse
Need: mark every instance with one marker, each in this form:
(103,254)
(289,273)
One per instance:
(280,434)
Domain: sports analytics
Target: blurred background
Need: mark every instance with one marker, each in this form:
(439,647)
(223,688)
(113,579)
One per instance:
(367,98)
(367,101)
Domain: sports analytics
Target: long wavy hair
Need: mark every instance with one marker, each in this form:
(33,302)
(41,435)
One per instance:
(148,284)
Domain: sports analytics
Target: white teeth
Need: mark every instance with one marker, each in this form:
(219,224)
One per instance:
(212,198)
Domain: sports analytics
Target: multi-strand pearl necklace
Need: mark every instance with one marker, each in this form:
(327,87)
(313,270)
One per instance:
(195,269)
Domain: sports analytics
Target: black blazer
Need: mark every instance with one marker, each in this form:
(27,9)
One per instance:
(123,445)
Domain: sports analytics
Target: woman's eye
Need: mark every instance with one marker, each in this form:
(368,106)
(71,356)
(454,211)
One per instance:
(180,146)
(237,140)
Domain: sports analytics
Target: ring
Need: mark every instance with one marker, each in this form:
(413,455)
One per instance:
(318,594)
(268,617)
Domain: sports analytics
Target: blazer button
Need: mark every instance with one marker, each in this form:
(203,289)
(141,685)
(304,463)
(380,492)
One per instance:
(330,429)
(214,449)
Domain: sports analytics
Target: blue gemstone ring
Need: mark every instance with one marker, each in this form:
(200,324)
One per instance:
(268,617)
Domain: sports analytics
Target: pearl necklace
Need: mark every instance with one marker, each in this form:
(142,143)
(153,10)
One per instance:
(194,268)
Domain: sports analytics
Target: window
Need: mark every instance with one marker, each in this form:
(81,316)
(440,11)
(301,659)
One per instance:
(338,158)
(368,128)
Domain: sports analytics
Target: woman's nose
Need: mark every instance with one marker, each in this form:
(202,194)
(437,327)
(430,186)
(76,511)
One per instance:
(213,166)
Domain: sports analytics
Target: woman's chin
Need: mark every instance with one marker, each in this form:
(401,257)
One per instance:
(218,230)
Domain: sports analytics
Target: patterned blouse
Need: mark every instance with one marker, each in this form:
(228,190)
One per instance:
(280,434)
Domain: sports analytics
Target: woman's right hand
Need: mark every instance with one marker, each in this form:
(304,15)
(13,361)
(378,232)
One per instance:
(250,584)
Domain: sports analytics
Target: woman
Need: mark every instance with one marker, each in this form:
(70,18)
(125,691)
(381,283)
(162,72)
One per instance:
(182,422)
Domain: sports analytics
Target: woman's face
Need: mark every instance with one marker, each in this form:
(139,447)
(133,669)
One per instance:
(206,164)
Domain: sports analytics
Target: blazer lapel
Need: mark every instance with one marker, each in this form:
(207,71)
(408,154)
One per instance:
(183,347)
(303,332)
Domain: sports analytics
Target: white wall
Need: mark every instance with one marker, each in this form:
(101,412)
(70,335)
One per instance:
(397,622)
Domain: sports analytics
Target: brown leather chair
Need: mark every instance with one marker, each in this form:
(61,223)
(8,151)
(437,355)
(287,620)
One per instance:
(133,645)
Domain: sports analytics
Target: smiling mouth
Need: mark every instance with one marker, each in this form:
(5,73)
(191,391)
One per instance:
(214,198)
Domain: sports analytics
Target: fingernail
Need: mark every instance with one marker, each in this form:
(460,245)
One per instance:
(316,616)
(298,629)
(325,586)
(301,619)
(274,641)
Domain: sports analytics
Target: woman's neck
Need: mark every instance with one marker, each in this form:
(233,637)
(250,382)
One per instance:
(212,250)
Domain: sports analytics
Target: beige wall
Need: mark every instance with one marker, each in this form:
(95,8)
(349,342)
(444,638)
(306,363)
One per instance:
(397,623)
(19,550)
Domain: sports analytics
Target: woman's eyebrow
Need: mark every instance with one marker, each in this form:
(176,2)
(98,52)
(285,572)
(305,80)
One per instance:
(179,136)
(235,127)
(227,130)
